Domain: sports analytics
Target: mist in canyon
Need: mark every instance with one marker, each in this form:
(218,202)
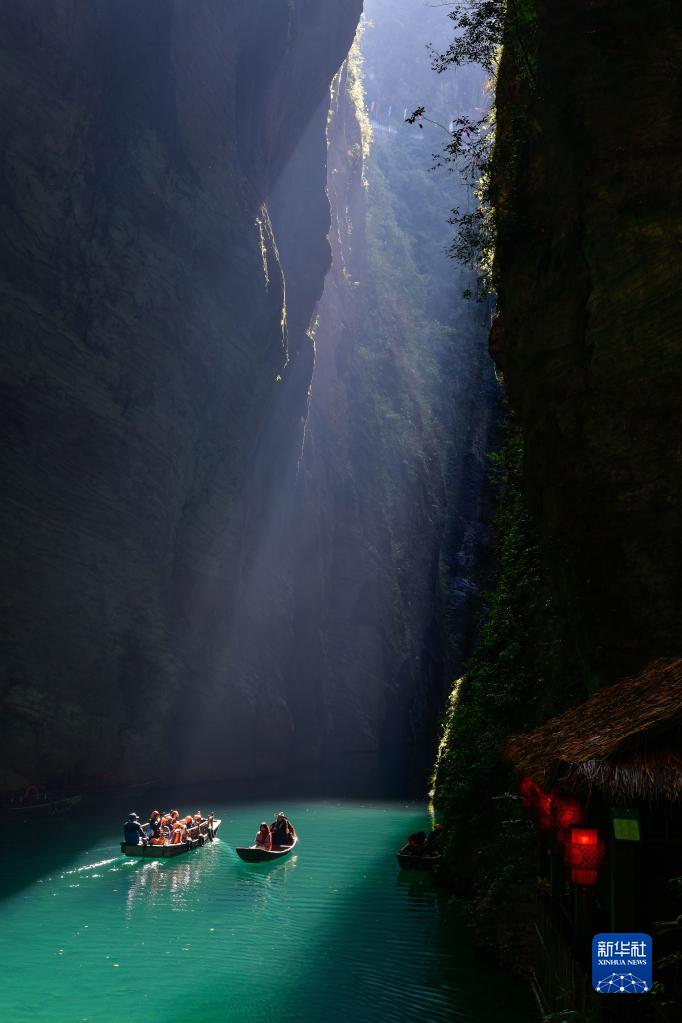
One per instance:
(246,412)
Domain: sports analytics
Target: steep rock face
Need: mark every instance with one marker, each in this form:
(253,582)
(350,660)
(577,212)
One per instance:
(355,601)
(588,334)
(146,349)
(388,523)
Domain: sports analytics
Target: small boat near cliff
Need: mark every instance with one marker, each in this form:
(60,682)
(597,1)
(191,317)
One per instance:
(33,803)
(197,836)
(411,860)
(254,853)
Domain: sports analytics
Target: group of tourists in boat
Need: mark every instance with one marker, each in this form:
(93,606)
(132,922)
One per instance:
(278,835)
(168,828)
(176,831)
(421,851)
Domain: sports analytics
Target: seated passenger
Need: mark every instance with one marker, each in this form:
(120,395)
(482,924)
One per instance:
(133,832)
(154,825)
(179,833)
(282,830)
(263,838)
(415,844)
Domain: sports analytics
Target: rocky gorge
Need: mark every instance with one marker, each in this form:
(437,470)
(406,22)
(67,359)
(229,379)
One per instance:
(244,494)
(148,343)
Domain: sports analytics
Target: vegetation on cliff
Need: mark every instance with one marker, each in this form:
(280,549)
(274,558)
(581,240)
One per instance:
(498,694)
(586,336)
(501,689)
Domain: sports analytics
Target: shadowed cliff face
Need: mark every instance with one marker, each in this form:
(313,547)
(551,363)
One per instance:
(366,562)
(590,315)
(143,300)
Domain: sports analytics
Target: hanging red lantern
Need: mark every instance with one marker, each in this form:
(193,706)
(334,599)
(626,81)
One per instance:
(584,877)
(543,810)
(584,836)
(584,854)
(566,813)
(528,791)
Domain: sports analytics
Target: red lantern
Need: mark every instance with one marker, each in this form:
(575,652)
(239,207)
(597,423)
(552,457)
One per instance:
(584,877)
(543,808)
(530,793)
(565,814)
(584,854)
(584,836)
(527,791)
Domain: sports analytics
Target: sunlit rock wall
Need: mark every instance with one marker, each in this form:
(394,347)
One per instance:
(145,350)
(390,520)
(356,595)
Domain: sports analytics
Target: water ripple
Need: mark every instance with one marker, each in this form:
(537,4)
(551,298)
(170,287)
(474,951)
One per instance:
(334,933)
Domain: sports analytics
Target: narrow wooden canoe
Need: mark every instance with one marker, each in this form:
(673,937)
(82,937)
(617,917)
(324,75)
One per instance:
(48,807)
(254,854)
(408,861)
(199,835)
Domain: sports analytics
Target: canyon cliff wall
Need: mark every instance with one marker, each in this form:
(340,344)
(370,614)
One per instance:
(151,391)
(357,600)
(590,313)
(390,494)
(586,188)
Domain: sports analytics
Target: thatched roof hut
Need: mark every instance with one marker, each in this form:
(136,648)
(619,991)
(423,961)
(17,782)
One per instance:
(625,740)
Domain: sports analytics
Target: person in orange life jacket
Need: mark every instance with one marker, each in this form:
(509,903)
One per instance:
(263,838)
(173,820)
(179,833)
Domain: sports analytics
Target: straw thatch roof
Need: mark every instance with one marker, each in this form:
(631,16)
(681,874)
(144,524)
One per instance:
(626,740)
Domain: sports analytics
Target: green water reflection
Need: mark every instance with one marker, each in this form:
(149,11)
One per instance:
(334,933)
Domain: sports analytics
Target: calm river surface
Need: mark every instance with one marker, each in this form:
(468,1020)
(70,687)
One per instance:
(336,933)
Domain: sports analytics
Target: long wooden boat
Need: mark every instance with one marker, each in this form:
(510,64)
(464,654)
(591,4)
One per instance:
(254,854)
(199,835)
(412,861)
(50,806)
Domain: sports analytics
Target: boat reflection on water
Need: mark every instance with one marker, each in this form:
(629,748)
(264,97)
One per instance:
(264,875)
(158,882)
(264,885)
(419,890)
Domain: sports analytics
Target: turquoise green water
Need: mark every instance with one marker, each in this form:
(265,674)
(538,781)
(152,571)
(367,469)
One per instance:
(335,933)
